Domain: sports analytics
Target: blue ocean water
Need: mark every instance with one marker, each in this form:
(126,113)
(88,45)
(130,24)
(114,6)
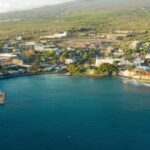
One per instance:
(74,113)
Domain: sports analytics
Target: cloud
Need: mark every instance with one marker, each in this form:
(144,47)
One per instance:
(11,5)
(4,6)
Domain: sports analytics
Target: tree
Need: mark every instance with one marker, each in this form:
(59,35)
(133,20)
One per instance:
(128,54)
(147,62)
(35,68)
(129,67)
(75,69)
(107,68)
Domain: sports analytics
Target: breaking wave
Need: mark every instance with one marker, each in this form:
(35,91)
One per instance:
(136,82)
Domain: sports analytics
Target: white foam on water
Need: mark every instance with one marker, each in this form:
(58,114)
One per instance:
(135,82)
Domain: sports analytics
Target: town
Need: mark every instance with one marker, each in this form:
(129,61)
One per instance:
(88,54)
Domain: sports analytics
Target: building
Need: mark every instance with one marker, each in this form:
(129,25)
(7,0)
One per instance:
(30,44)
(135,45)
(7,48)
(17,62)
(100,61)
(123,32)
(147,56)
(124,62)
(39,48)
(138,62)
(135,74)
(70,61)
(55,36)
(7,56)
(127,73)
(19,38)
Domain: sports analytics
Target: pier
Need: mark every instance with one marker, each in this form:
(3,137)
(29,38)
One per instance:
(2,98)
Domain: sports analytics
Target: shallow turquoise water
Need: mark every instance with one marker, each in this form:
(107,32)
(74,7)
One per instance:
(74,113)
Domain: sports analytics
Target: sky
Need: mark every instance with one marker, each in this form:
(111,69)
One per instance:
(12,5)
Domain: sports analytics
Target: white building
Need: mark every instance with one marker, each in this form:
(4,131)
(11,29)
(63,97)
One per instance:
(39,48)
(30,43)
(147,56)
(135,45)
(123,32)
(124,62)
(138,62)
(7,56)
(70,61)
(42,48)
(19,38)
(55,36)
(127,73)
(100,61)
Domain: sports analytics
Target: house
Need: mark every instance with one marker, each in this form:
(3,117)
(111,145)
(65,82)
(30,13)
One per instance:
(39,48)
(55,36)
(43,41)
(135,55)
(46,48)
(27,45)
(144,68)
(147,56)
(124,62)
(100,61)
(138,62)
(30,44)
(13,72)
(7,48)
(127,73)
(123,32)
(136,74)
(110,49)
(135,45)
(17,62)
(70,61)
(7,56)
(19,38)
(120,35)
(119,52)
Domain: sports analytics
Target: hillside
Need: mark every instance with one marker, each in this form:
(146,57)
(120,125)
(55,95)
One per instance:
(102,15)
(84,5)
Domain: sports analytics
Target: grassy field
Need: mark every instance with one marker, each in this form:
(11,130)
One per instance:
(137,20)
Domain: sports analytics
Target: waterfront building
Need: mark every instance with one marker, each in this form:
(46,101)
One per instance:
(7,56)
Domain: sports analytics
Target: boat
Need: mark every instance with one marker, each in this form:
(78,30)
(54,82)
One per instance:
(2,98)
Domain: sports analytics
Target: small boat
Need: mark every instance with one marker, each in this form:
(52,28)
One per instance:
(2,98)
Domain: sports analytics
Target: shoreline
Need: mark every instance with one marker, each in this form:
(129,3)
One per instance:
(66,74)
(136,79)
(21,75)
(46,73)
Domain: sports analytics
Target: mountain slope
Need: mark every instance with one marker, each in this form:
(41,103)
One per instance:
(98,15)
(61,9)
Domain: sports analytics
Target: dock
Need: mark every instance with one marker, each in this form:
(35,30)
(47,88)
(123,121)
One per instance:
(2,98)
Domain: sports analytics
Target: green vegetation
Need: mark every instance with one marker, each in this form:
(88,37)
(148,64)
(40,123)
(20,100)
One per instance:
(80,17)
(107,69)
(103,69)
(75,69)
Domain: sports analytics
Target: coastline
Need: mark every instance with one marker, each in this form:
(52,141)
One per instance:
(67,74)
(136,79)
(22,75)
(44,73)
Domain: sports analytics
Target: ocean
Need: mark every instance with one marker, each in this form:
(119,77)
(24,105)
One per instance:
(50,112)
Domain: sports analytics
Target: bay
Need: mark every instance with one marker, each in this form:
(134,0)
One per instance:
(51,112)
